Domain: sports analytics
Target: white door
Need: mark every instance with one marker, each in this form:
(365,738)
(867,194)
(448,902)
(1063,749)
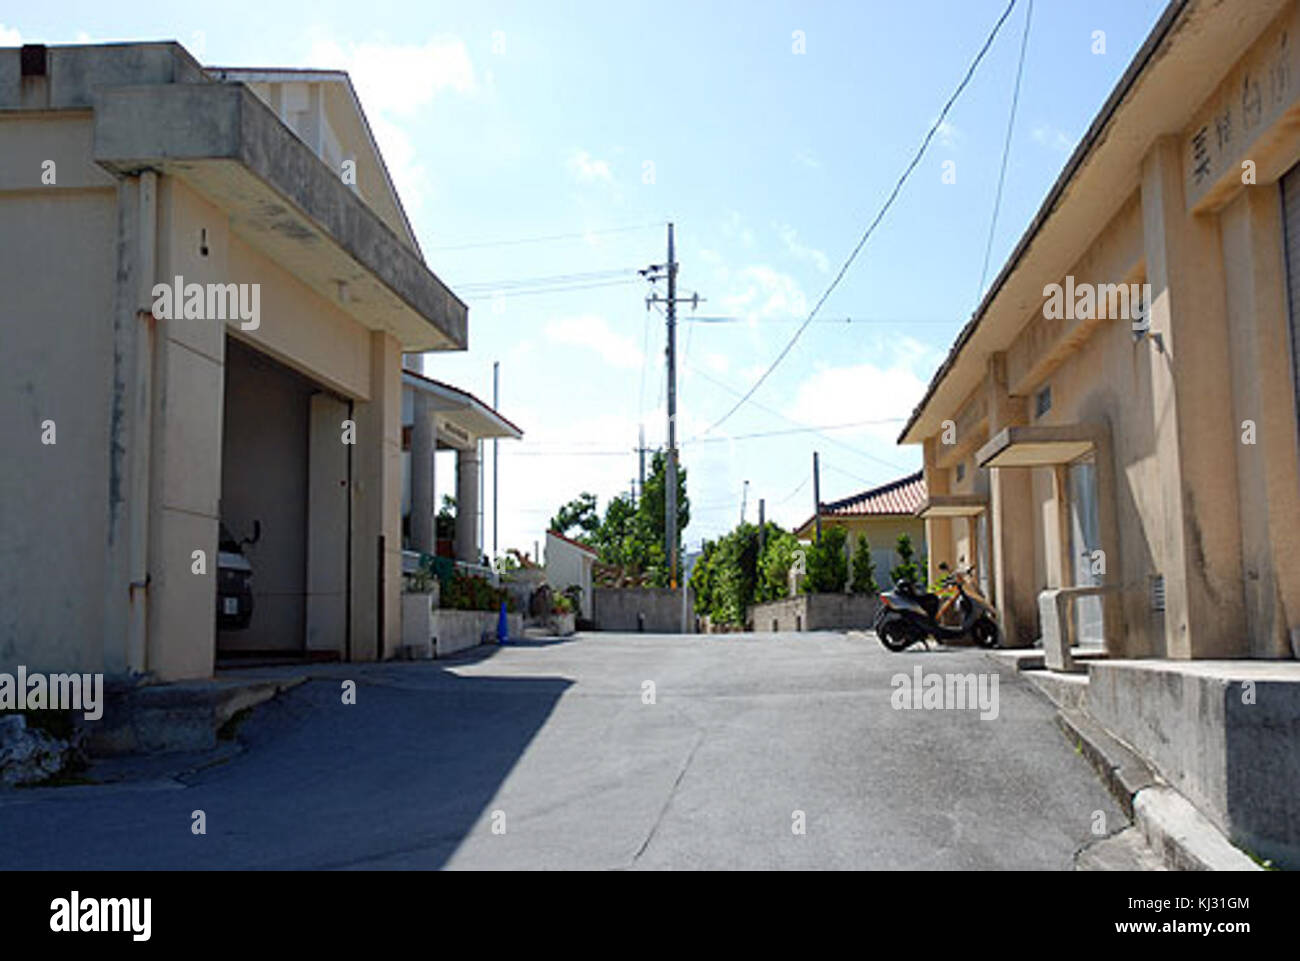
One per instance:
(1085,540)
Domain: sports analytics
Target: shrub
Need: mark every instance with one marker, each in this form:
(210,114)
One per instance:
(863,578)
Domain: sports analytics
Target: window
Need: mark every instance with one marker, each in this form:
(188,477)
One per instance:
(961,472)
(1043,401)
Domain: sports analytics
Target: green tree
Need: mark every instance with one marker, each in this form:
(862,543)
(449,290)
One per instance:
(862,580)
(775,564)
(611,538)
(704,578)
(907,569)
(645,547)
(828,570)
(580,513)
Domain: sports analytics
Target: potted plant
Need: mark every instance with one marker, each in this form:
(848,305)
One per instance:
(562,615)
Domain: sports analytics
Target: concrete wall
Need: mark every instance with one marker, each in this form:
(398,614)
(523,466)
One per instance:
(815,612)
(57,271)
(616,609)
(1223,733)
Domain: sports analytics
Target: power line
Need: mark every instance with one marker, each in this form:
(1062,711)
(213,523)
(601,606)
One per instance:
(820,320)
(889,202)
(588,276)
(546,239)
(776,413)
(1006,152)
(551,290)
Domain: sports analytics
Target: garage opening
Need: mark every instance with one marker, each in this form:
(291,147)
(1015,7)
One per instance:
(283,561)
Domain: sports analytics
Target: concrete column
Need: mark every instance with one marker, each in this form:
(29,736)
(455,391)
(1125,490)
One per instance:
(1263,394)
(1199,552)
(377,506)
(423,445)
(1012,520)
(938,530)
(187,397)
(467,468)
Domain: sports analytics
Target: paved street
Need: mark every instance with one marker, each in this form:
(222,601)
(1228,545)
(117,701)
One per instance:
(745,731)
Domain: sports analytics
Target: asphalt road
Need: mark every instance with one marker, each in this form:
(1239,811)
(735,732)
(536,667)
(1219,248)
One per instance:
(545,754)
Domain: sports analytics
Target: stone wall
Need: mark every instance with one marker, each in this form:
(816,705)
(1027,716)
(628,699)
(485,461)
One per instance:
(815,612)
(617,609)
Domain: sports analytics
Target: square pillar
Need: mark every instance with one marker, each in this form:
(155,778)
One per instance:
(377,507)
(938,530)
(1263,396)
(1012,527)
(1198,551)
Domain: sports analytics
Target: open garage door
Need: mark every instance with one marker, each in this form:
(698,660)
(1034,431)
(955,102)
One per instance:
(284,500)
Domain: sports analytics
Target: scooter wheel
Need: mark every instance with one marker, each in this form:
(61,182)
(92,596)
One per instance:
(895,636)
(986,633)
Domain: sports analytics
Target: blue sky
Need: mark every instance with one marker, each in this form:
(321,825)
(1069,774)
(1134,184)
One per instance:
(510,121)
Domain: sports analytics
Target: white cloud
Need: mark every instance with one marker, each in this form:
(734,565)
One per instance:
(589,169)
(790,237)
(947,134)
(718,363)
(806,158)
(10,37)
(593,332)
(860,392)
(399,78)
(767,293)
(1052,138)
(394,82)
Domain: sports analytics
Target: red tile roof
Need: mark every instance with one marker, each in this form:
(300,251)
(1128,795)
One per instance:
(902,497)
(578,544)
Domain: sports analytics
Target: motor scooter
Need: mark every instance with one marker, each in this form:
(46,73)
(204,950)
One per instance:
(909,614)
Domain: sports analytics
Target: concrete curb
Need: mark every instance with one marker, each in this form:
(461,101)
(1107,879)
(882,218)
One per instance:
(1176,832)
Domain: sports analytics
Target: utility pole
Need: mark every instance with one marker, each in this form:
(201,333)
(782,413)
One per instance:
(817,498)
(640,450)
(762,525)
(744,500)
(496,451)
(653,273)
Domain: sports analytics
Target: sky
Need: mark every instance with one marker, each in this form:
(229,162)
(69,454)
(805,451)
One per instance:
(769,133)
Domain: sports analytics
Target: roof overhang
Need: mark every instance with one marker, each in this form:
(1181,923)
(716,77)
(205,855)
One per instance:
(468,417)
(1040,446)
(222,140)
(953,505)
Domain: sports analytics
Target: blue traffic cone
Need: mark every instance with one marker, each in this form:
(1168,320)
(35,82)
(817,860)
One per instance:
(503,626)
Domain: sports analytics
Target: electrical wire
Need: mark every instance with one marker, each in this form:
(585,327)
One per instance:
(551,237)
(889,202)
(1006,152)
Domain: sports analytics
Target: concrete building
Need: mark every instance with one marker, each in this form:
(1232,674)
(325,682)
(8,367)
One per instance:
(134,431)
(570,562)
(880,514)
(1121,415)
(438,416)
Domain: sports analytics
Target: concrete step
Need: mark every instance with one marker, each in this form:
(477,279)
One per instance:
(1125,851)
(185,716)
